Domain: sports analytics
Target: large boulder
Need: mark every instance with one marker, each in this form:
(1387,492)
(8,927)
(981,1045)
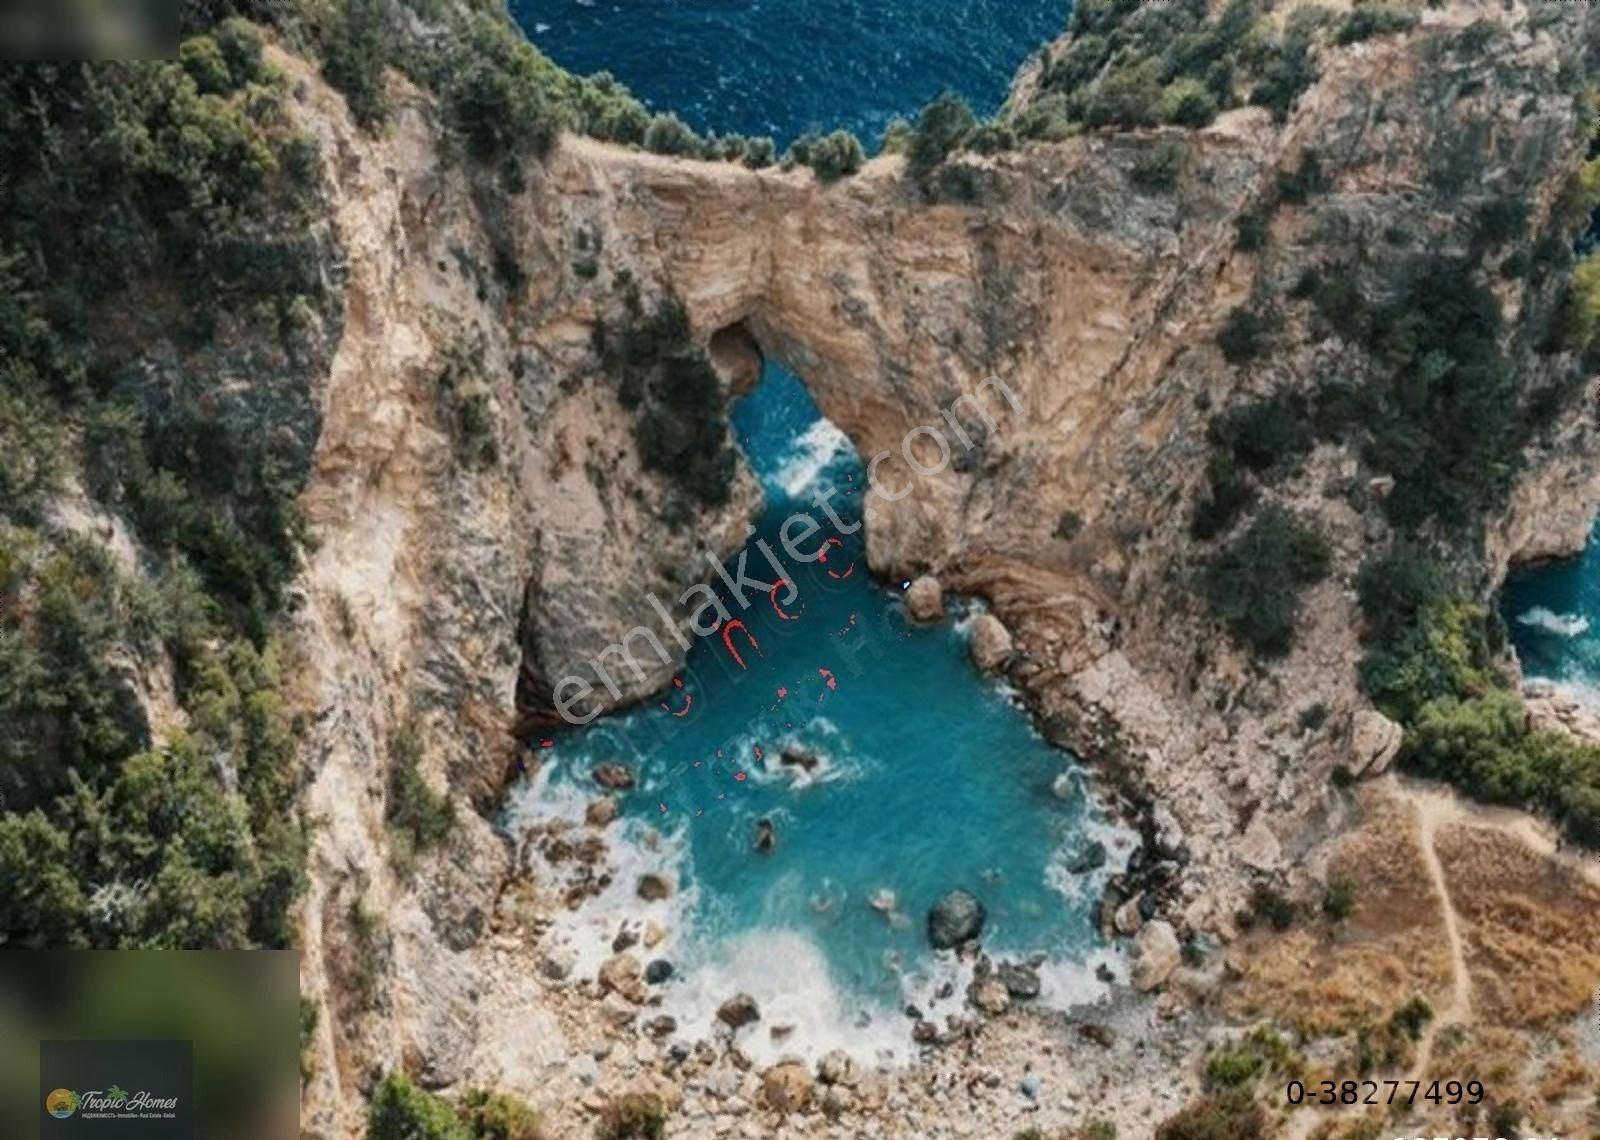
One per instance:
(786,1087)
(739,1011)
(925,599)
(1159,955)
(1090,857)
(653,887)
(990,996)
(838,1068)
(989,643)
(622,974)
(1020,981)
(956,918)
(1374,741)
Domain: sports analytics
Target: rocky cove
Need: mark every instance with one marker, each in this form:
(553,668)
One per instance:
(442,600)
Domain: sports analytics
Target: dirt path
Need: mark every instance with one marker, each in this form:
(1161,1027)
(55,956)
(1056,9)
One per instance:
(1437,807)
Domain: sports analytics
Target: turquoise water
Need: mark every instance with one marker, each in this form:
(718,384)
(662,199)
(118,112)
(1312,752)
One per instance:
(1553,613)
(780,67)
(928,777)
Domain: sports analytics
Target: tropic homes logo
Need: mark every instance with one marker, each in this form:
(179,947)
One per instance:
(114,1101)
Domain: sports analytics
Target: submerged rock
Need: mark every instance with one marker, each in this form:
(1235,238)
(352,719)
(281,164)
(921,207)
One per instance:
(797,756)
(956,918)
(658,971)
(766,837)
(739,1011)
(614,777)
(883,901)
(601,812)
(1090,857)
(925,599)
(654,888)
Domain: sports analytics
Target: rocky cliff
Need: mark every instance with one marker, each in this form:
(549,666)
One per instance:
(1091,277)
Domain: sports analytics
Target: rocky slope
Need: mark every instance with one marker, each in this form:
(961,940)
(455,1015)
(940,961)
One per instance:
(451,596)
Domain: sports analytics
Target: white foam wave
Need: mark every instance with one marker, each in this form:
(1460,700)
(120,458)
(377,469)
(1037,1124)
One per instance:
(787,974)
(1561,625)
(814,452)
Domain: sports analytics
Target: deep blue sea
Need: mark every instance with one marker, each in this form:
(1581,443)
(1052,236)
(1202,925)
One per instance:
(781,67)
(1553,612)
(925,775)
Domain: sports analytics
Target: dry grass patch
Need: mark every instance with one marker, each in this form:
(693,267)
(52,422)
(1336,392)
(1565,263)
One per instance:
(1533,943)
(1327,978)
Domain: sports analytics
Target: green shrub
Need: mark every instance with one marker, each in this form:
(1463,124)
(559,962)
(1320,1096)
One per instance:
(1313,717)
(680,426)
(992,138)
(1268,434)
(1339,898)
(1228,1116)
(941,129)
(1228,1068)
(1273,907)
(832,157)
(1286,69)
(1188,102)
(1297,186)
(1160,167)
(669,135)
(1253,585)
(1253,227)
(759,153)
(1411,1018)
(1374,18)
(399,1110)
(497,88)
(356,46)
(498,1116)
(1069,526)
(1229,496)
(419,816)
(633,1116)
(1244,336)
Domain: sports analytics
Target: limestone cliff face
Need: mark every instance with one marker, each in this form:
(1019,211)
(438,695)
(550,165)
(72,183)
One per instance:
(1092,295)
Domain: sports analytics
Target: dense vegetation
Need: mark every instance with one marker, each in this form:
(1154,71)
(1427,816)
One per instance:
(504,98)
(399,1110)
(1130,64)
(1253,584)
(173,182)
(1430,664)
(670,386)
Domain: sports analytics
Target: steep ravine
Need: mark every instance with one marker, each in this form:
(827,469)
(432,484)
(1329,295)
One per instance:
(434,585)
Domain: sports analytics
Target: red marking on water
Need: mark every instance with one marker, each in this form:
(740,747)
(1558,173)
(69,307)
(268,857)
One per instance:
(777,608)
(827,676)
(688,700)
(833,540)
(547,744)
(741,777)
(851,569)
(727,640)
(783,691)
